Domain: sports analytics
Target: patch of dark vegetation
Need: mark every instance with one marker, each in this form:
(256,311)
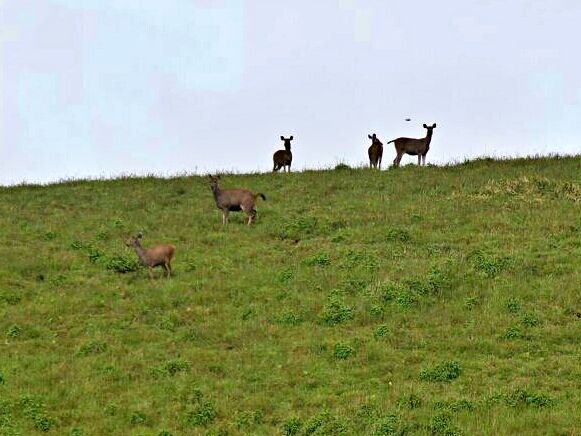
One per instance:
(381,332)
(342,166)
(171,368)
(286,275)
(288,318)
(354,286)
(530,319)
(291,426)
(471,303)
(138,418)
(121,264)
(358,259)
(343,351)
(336,311)
(92,347)
(512,333)
(441,424)
(246,419)
(409,401)
(321,259)
(34,409)
(454,406)
(443,372)
(513,305)
(521,398)
(489,265)
(398,235)
(324,423)
(10,297)
(388,425)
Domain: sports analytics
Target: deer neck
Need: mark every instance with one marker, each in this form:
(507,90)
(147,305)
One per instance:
(216,191)
(428,137)
(141,254)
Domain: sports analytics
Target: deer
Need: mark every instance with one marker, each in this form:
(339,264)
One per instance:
(229,200)
(283,158)
(416,147)
(159,255)
(375,152)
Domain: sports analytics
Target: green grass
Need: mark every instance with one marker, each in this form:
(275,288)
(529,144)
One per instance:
(435,300)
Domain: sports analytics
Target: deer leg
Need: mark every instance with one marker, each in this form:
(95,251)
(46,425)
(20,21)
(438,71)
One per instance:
(224,216)
(424,160)
(150,273)
(167,269)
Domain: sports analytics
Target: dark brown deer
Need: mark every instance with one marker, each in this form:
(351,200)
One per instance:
(160,255)
(234,200)
(375,152)
(416,147)
(283,158)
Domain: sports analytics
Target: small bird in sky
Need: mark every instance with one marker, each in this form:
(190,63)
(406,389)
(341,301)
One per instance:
(408,119)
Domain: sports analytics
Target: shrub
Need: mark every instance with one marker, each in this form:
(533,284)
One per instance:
(10,298)
(443,372)
(530,320)
(288,318)
(121,264)
(380,332)
(489,265)
(388,425)
(398,235)
(202,415)
(513,305)
(409,401)
(291,426)
(2,379)
(13,331)
(171,367)
(342,166)
(343,351)
(471,302)
(138,418)
(318,259)
(336,311)
(512,332)
(93,347)
(442,425)
(521,397)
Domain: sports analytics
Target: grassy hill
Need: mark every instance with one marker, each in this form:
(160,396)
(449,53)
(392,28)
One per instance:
(435,300)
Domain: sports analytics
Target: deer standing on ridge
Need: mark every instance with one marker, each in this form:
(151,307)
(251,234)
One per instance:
(375,152)
(160,255)
(416,147)
(234,200)
(283,158)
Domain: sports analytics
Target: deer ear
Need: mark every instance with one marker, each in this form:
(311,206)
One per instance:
(281,138)
(434,126)
(291,138)
(425,127)
(369,136)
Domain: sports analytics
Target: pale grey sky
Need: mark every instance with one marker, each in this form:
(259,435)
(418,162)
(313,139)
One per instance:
(94,88)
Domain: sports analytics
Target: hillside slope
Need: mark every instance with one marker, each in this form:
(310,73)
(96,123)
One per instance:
(418,300)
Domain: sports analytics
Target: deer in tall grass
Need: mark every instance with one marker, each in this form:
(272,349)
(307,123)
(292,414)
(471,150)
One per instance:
(416,147)
(283,158)
(375,152)
(229,200)
(159,255)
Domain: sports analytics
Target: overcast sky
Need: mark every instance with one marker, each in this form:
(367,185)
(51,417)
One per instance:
(94,88)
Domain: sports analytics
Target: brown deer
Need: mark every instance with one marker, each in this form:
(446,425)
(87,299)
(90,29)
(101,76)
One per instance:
(416,147)
(375,152)
(283,158)
(160,255)
(234,200)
